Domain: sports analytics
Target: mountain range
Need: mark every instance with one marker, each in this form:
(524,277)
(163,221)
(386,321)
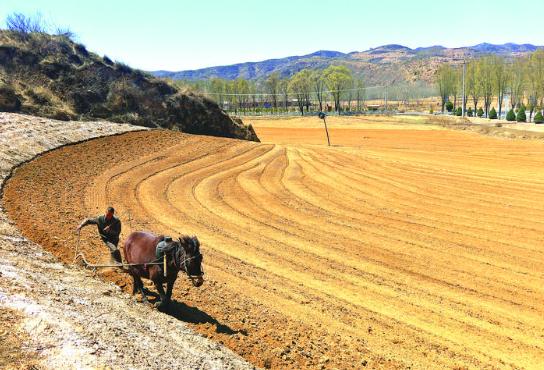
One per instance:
(387,64)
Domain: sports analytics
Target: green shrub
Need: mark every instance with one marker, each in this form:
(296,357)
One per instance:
(431,111)
(480,112)
(521,117)
(538,117)
(449,106)
(492,113)
(470,113)
(511,116)
(459,111)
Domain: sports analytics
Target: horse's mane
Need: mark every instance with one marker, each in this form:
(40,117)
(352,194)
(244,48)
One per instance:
(191,241)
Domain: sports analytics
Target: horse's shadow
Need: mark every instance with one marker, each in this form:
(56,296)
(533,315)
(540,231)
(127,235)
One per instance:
(193,315)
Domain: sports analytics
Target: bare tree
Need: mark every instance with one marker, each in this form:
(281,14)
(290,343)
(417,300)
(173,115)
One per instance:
(272,84)
(318,85)
(284,90)
(444,79)
(500,79)
(360,93)
(485,79)
(517,81)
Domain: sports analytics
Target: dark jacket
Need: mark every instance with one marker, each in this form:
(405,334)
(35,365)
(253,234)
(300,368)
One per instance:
(112,234)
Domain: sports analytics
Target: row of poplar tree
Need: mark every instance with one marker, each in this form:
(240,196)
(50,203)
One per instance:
(490,79)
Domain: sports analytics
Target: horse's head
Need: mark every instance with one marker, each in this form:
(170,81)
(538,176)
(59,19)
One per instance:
(191,259)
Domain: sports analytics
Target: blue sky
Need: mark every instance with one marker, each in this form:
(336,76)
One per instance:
(178,35)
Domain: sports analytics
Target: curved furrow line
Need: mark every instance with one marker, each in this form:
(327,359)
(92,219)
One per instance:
(267,219)
(404,201)
(347,278)
(321,202)
(392,173)
(351,189)
(380,162)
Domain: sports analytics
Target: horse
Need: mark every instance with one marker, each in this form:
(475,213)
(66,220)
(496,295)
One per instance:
(140,255)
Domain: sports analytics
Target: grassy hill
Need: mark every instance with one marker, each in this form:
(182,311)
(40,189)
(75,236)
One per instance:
(388,64)
(54,77)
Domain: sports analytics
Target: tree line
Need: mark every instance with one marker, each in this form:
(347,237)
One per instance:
(334,87)
(491,79)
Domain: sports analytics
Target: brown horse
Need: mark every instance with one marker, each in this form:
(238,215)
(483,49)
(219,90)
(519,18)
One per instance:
(184,256)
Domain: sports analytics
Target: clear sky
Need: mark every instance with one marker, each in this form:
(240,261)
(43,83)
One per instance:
(178,35)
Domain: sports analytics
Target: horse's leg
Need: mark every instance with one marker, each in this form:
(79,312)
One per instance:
(170,286)
(163,300)
(134,285)
(141,288)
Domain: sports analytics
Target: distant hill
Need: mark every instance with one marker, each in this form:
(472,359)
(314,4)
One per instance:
(54,77)
(384,64)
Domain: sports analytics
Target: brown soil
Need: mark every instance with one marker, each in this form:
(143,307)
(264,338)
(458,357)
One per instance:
(395,248)
(13,354)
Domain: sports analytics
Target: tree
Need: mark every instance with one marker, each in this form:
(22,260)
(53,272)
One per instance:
(480,112)
(511,116)
(300,86)
(337,79)
(218,89)
(500,79)
(536,80)
(470,113)
(318,85)
(456,85)
(492,113)
(444,79)
(472,85)
(283,87)
(485,79)
(241,89)
(253,94)
(360,93)
(518,71)
(521,117)
(449,106)
(272,84)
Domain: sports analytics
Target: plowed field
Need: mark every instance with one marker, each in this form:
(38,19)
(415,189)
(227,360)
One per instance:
(395,247)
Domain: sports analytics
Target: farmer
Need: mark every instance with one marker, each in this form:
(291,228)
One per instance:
(109,228)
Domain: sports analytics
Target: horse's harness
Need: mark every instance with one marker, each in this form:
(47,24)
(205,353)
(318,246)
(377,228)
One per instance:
(179,262)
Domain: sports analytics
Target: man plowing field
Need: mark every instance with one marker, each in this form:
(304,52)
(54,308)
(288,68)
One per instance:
(109,229)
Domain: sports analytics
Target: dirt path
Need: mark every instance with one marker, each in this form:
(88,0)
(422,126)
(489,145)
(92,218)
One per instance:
(395,248)
(60,317)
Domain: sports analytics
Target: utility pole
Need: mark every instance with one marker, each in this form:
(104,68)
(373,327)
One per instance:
(464,71)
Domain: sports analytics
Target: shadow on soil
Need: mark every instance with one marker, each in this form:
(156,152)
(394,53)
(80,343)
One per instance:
(193,315)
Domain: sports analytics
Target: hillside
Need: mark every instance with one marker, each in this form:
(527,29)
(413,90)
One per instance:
(385,64)
(51,76)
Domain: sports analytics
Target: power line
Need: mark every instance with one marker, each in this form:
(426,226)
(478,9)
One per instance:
(280,94)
